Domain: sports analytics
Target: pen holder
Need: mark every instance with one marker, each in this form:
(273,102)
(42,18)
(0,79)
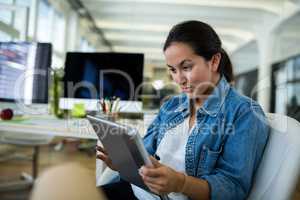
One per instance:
(109,109)
(109,116)
(112,116)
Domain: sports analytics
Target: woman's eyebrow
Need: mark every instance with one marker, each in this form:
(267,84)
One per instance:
(170,66)
(180,64)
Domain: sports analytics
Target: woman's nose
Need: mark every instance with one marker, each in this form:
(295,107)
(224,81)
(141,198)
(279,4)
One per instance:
(180,78)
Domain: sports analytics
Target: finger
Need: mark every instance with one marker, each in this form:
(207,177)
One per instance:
(151,172)
(101,149)
(157,189)
(151,180)
(101,156)
(155,162)
(154,188)
(104,157)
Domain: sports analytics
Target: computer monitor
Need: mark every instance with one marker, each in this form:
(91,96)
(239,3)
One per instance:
(24,71)
(92,76)
(246,83)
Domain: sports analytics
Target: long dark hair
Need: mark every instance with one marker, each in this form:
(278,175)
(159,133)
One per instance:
(205,42)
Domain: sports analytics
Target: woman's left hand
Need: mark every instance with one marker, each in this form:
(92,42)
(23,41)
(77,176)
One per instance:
(162,179)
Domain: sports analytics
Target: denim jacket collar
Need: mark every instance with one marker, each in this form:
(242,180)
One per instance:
(185,103)
(214,102)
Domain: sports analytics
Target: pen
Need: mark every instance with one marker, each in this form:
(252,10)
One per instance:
(116,105)
(102,102)
(112,100)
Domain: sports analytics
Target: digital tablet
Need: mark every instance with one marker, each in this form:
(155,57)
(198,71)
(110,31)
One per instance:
(125,148)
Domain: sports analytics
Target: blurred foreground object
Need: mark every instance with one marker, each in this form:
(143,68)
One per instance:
(68,181)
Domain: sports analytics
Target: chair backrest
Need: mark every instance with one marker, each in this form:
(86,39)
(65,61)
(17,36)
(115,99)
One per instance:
(278,172)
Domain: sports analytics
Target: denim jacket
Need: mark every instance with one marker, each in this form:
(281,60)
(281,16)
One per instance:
(227,143)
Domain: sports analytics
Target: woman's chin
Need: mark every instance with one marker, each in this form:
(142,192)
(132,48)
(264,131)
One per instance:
(192,95)
(189,94)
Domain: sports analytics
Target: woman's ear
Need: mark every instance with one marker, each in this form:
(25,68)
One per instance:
(215,61)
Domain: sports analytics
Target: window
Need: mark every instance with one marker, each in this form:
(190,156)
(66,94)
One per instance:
(44,25)
(19,16)
(23,2)
(6,15)
(57,61)
(296,70)
(51,28)
(59,33)
(85,45)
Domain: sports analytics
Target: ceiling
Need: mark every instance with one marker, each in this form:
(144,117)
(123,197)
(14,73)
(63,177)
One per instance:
(142,25)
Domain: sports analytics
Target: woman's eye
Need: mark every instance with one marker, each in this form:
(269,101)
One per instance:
(172,70)
(186,68)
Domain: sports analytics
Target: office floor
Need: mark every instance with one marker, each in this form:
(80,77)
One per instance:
(297,193)
(50,157)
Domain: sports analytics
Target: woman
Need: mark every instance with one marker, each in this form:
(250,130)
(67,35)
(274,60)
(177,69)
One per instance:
(210,139)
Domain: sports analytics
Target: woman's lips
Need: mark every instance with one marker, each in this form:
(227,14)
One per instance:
(186,89)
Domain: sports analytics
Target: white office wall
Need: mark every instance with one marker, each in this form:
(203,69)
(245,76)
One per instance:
(246,59)
(5,37)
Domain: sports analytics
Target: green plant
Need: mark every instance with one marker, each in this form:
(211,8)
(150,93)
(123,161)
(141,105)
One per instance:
(56,91)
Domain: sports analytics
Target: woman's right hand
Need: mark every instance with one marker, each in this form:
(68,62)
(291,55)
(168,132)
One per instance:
(103,155)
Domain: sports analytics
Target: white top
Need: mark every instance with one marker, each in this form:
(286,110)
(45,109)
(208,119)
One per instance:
(171,151)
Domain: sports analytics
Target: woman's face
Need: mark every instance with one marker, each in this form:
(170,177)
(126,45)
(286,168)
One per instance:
(191,72)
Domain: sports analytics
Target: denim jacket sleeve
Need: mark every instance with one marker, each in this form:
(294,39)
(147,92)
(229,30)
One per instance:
(151,136)
(150,139)
(242,151)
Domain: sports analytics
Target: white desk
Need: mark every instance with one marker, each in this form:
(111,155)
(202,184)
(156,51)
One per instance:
(49,125)
(41,128)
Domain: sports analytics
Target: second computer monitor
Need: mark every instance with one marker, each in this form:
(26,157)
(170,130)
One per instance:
(93,76)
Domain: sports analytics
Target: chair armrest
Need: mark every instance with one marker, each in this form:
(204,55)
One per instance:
(107,176)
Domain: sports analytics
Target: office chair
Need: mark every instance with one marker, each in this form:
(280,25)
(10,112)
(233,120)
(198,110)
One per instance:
(278,172)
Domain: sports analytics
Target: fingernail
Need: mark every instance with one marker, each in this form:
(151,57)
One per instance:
(141,170)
